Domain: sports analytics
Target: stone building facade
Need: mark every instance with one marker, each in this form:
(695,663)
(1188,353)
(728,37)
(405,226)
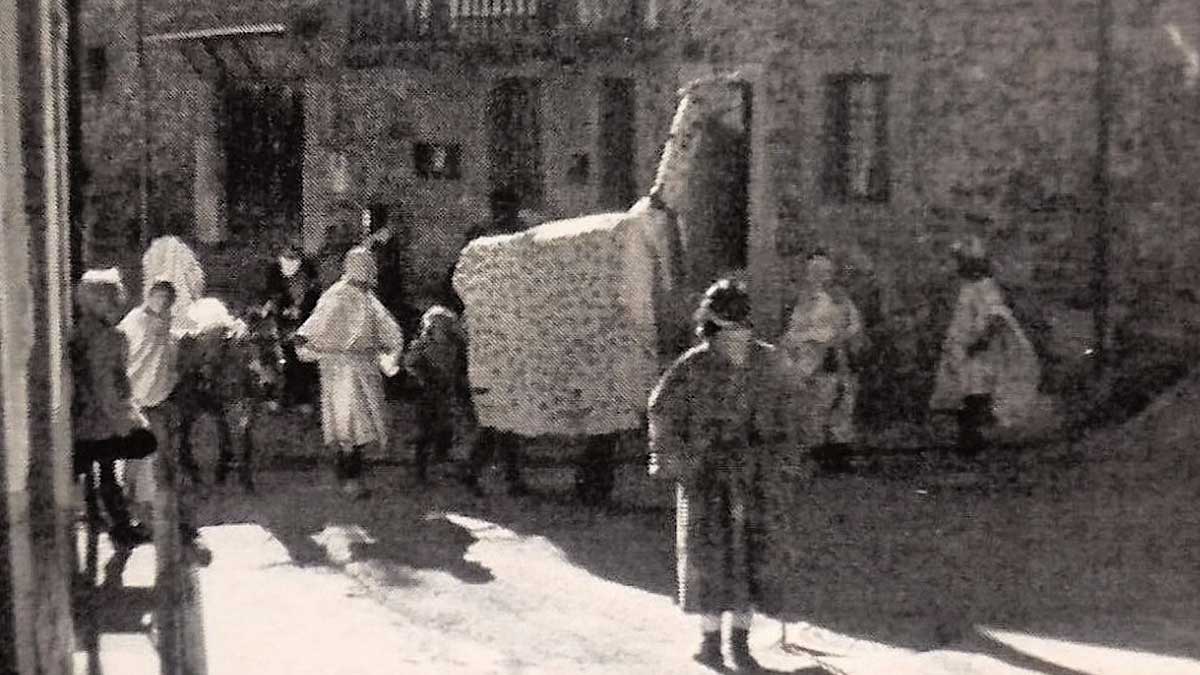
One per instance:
(886,130)
(376,98)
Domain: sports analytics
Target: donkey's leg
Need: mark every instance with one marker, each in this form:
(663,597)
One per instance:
(187,460)
(224,443)
(245,423)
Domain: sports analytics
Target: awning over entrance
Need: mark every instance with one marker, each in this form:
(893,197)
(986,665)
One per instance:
(225,48)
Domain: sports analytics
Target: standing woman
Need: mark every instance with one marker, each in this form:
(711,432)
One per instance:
(348,335)
(292,292)
(720,419)
(823,339)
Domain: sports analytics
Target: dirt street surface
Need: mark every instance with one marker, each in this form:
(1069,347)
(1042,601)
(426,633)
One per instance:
(1070,560)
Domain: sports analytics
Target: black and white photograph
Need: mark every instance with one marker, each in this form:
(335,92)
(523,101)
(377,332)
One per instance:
(600,337)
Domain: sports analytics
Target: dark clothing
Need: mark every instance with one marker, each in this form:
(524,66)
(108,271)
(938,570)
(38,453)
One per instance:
(103,453)
(487,444)
(721,431)
(292,301)
(138,444)
(974,418)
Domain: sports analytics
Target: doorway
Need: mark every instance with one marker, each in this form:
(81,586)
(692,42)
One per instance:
(514,109)
(618,128)
(264,152)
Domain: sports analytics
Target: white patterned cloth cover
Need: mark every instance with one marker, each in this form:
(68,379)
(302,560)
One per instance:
(561,322)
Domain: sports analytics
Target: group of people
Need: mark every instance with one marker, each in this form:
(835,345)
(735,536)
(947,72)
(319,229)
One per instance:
(726,416)
(732,414)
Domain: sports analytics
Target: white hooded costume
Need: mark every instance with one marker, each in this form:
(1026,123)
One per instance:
(347,334)
(170,259)
(1008,369)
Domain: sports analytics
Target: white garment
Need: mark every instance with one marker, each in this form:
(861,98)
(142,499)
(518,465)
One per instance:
(817,325)
(352,401)
(1008,370)
(169,259)
(152,357)
(347,333)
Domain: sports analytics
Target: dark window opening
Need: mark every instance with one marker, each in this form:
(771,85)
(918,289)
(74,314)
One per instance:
(857,162)
(516,141)
(438,160)
(97,68)
(263,132)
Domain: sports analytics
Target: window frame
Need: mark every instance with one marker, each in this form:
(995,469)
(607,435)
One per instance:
(837,183)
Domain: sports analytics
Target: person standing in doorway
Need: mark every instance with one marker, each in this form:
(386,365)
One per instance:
(823,338)
(719,419)
(291,294)
(352,337)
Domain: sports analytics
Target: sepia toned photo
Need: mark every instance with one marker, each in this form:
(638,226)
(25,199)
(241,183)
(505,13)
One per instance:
(599,337)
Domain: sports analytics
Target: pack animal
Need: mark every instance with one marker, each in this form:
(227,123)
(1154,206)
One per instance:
(229,370)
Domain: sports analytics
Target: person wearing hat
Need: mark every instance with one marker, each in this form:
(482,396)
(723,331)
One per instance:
(989,371)
(823,337)
(720,419)
(352,337)
(106,422)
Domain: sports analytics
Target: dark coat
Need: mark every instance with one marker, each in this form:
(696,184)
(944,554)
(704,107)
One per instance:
(723,432)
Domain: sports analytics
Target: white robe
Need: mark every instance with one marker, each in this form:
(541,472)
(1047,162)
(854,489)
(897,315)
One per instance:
(170,259)
(1008,370)
(817,325)
(347,334)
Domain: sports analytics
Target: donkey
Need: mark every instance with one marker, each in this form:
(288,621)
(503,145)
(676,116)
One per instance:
(229,368)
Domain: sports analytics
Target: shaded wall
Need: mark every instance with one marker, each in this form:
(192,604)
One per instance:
(35,443)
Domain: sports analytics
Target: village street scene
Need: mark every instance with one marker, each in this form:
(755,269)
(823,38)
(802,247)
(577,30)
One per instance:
(599,336)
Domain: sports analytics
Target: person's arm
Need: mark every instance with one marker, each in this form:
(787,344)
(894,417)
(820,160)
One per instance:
(110,383)
(669,416)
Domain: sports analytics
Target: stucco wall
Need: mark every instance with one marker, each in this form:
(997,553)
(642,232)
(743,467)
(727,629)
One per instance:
(372,116)
(992,111)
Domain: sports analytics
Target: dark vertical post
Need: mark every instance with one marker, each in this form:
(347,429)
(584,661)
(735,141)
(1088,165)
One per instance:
(1101,184)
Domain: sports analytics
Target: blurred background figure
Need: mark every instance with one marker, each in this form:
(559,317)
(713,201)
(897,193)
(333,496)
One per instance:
(824,338)
(989,372)
(291,291)
(437,360)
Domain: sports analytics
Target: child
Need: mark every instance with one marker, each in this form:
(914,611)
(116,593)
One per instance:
(106,424)
(152,376)
(437,359)
(347,334)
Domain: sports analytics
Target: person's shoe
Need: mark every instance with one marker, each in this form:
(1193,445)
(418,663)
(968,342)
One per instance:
(710,651)
(739,649)
(130,535)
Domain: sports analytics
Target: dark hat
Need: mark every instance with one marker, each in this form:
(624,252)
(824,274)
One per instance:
(725,303)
